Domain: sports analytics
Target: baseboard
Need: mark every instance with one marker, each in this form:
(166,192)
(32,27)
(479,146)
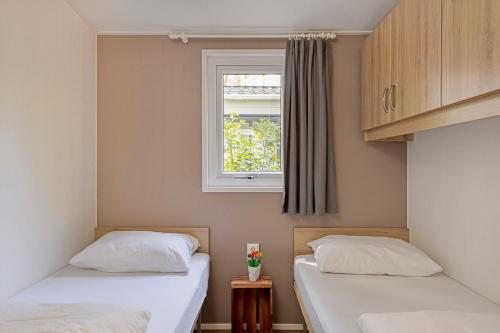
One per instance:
(215,326)
(227,326)
(287,327)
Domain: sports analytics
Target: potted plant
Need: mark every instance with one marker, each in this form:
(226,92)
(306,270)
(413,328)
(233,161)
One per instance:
(254,260)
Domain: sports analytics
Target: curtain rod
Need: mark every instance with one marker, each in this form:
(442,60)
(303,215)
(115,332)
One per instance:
(294,35)
(185,36)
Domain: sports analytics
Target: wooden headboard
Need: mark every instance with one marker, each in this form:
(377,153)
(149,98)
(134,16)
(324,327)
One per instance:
(203,234)
(303,235)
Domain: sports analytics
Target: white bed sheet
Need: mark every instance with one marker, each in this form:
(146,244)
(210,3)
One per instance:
(173,300)
(334,302)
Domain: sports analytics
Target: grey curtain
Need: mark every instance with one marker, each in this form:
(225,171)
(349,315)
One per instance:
(309,163)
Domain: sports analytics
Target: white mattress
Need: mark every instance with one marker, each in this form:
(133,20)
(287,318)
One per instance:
(174,300)
(334,302)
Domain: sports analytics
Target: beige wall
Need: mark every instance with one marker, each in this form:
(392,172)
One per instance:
(149,161)
(47,139)
(453,201)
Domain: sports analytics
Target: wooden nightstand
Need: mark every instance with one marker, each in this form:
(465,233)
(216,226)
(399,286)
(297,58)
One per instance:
(246,299)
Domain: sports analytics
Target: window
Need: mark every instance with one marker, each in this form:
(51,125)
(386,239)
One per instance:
(242,123)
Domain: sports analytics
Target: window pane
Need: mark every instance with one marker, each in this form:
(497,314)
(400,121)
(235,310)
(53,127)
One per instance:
(252,123)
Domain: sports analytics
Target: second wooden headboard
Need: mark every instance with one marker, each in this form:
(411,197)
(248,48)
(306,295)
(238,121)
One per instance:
(301,236)
(201,233)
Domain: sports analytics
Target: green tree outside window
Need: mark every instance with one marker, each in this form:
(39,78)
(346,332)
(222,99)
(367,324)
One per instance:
(260,151)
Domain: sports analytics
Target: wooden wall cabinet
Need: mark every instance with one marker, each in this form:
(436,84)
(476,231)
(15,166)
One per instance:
(427,63)
(377,75)
(367,81)
(471,49)
(402,64)
(416,49)
(381,72)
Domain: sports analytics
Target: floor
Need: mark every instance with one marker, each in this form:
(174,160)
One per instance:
(274,331)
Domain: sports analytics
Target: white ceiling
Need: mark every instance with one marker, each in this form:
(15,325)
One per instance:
(231,15)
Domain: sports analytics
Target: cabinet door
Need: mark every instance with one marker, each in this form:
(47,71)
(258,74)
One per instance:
(471,48)
(416,66)
(381,71)
(367,83)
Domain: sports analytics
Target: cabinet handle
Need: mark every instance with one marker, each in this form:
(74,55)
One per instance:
(392,98)
(384,100)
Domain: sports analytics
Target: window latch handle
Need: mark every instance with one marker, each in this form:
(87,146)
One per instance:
(243,177)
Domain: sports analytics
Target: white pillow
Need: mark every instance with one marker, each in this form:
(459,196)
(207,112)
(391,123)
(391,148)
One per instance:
(371,255)
(138,251)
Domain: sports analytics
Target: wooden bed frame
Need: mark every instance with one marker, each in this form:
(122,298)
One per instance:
(301,236)
(201,233)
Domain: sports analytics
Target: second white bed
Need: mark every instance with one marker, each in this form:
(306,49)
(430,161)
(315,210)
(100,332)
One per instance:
(173,300)
(334,302)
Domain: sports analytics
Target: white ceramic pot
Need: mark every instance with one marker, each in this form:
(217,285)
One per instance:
(253,273)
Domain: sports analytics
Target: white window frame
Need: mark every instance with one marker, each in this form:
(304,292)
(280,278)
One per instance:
(216,63)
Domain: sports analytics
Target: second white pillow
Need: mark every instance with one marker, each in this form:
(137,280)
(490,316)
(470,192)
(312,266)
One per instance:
(138,251)
(371,255)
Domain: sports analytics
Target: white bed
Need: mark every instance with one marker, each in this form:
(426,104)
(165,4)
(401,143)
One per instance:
(333,302)
(174,300)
